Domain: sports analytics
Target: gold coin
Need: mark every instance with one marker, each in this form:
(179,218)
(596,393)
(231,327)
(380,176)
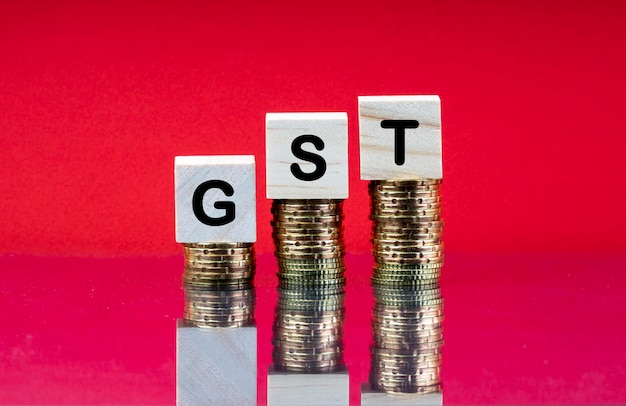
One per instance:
(407,246)
(329,238)
(398,343)
(311,263)
(420,314)
(287,207)
(309,367)
(407,257)
(297,275)
(404,183)
(307,218)
(415,339)
(201,253)
(405,209)
(305,283)
(308,255)
(384,387)
(320,242)
(407,226)
(217,245)
(425,280)
(404,199)
(422,259)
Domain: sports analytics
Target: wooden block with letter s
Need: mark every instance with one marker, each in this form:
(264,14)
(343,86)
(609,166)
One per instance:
(307,155)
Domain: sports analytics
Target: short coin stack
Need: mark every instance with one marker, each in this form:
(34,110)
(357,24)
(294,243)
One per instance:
(308,323)
(218,283)
(408,311)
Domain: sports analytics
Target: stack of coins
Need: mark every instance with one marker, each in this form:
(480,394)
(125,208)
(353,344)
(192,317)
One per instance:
(308,323)
(408,312)
(308,330)
(218,284)
(407,326)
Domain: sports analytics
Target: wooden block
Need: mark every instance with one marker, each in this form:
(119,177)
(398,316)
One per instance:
(215,198)
(370,397)
(307,155)
(400,137)
(215,366)
(292,389)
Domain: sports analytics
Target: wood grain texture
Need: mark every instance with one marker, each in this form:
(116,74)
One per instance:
(215,366)
(281,131)
(423,145)
(239,172)
(293,389)
(374,398)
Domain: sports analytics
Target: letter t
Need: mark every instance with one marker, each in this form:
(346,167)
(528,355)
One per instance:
(399,126)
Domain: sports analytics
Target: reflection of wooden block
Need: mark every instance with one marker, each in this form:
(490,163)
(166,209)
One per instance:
(292,389)
(400,137)
(215,366)
(307,155)
(374,398)
(215,198)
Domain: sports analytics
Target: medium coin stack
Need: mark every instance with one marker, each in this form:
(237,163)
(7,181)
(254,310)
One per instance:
(309,317)
(218,284)
(408,311)
(308,330)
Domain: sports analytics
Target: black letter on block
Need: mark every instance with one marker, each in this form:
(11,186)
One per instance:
(399,126)
(228,207)
(320,163)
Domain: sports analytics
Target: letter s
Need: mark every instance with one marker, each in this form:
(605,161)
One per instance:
(298,152)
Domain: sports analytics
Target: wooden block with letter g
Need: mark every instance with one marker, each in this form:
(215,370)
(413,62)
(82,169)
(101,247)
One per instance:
(307,155)
(400,137)
(215,198)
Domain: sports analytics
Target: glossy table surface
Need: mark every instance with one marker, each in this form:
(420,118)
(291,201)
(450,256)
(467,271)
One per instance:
(519,329)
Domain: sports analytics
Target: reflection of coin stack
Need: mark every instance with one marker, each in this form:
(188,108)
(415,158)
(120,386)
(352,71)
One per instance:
(408,312)
(218,284)
(308,324)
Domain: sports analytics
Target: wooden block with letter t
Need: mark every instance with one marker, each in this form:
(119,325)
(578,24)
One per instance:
(215,198)
(307,155)
(400,137)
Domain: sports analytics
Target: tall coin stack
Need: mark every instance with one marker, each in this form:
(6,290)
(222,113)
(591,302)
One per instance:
(308,323)
(408,310)
(218,284)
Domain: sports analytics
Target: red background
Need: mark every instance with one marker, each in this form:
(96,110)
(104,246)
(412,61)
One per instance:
(97,99)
